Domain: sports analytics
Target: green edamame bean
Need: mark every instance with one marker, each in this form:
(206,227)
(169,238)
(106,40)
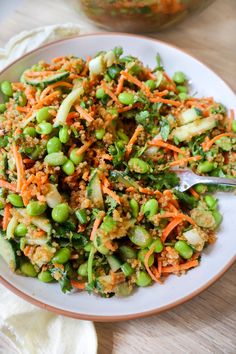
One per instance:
(234,126)
(55,159)
(68,167)
(28,270)
(83,269)
(43,114)
(6,88)
(64,135)
(126,98)
(44,128)
(45,276)
(3,107)
(54,145)
(127,252)
(60,213)
(2,205)
(140,236)
(143,279)
(158,245)
(127,269)
(20,99)
(182,89)
(81,216)
(179,77)
(200,188)
(205,166)
(30,131)
(108,224)
(141,256)
(99,133)
(15,200)
(62,256)
(210,201)
(100,93)
(151,84)
(36,208)
(75,158)
(184,250)
(134,208)
(20,230)
(150,208)
(218,217)
(137,165)
(122,136)
(183,96)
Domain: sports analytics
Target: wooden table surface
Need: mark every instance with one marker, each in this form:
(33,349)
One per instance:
(207,323)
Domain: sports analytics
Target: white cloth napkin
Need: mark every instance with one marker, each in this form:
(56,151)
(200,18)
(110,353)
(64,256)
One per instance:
(26,41)
(24,328)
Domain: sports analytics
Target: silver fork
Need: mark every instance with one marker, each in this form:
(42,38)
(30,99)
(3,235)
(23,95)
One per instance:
(189,179)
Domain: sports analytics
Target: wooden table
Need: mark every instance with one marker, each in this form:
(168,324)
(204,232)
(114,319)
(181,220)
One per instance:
(205,324)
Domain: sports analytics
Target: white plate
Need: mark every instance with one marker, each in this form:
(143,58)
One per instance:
(215,260)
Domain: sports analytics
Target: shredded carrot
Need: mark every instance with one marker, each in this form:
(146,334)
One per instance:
(110,93)
(194,193)
(71,116)
(177,268)
(23,109)
(161,143)
(85,115)
(146,259)
(176,156)
(7,185)
(185,160)
(149,191)
(133,139)
(96,224)
(120,85)
(39,73)
(166,101)
(52,86)
(207,145)
(6,216)
(84,147)
(159,265)
(168,193)
(151,75)
(160,93)
(19,168)
(170,227)
(105,181)
(78,285)
(137,82)
(126,109)
(112,194)
(48,99)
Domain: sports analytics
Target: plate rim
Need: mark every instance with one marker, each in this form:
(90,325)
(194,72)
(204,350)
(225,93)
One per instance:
(115,318)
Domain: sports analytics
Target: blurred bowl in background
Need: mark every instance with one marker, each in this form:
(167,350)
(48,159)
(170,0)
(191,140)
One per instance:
(138,16)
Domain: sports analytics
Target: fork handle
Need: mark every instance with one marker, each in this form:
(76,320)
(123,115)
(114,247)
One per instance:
(217,180)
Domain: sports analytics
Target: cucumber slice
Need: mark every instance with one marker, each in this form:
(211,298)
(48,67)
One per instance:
(186,132)
(188,116)
(114,263)
(11,227)
(7,253)
(44,82)
(39,221)
(122,178)
(94,191)
(66,105)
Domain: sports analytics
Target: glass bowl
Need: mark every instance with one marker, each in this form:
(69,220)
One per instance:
(138,16)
